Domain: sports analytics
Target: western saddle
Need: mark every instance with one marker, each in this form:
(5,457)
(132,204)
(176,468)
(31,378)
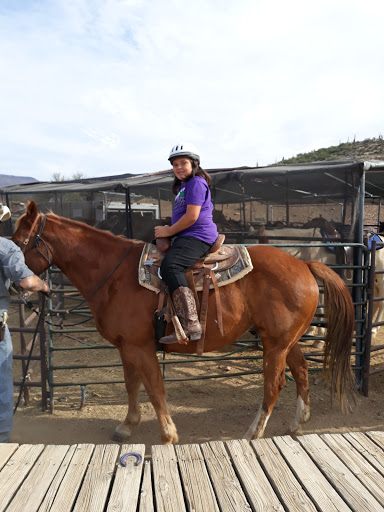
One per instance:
(218,259)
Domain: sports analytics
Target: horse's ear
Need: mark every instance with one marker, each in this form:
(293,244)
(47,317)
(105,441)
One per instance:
(32,209)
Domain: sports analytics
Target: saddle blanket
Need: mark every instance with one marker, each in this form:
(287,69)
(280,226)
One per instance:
(152,282)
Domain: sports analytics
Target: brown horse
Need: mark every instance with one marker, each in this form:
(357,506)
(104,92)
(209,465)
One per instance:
(279,297)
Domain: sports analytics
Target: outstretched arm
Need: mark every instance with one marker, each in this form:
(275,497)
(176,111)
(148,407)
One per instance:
(34,284)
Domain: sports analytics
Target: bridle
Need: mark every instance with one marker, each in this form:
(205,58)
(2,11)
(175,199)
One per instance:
(49,252)
(48,249)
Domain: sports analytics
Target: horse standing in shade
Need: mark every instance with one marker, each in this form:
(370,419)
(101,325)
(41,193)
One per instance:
(305,234)
(279,296)
(378,291)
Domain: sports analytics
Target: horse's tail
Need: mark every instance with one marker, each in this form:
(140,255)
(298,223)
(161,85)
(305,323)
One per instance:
(340,314)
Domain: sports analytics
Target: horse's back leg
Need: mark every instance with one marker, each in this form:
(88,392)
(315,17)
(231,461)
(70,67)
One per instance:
(274,381)
(132,385)
(299,369)
(146,365)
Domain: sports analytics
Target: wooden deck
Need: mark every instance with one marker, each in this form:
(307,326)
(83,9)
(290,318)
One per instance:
(330,472)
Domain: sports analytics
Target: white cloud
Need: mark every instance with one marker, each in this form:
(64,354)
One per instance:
(108,86)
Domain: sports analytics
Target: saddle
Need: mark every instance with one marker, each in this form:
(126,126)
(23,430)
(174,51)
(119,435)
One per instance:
(202,275)
(218,258)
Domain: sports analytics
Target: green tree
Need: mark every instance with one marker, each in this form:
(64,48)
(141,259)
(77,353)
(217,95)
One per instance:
(56,176)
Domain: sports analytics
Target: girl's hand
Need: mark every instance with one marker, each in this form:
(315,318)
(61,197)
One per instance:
(162,232)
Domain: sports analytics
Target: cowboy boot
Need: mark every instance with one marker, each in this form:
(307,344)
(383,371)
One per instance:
(185,307)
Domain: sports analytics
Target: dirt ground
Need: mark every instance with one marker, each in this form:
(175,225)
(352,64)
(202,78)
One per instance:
(203,410)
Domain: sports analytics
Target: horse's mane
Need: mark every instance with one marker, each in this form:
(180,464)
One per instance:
(82,225)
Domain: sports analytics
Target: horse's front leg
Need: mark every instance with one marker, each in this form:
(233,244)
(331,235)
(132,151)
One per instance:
(274,381)
(146,365)
(132,385)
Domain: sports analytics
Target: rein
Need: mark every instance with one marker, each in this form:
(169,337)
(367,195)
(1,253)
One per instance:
(25,373)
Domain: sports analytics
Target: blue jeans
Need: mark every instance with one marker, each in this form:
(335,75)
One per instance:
(183,253)
(6,387)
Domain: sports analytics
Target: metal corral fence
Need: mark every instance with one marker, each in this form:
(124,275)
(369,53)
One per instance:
(67,304)
(31,363)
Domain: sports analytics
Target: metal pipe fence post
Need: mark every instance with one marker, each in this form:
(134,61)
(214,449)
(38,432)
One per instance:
(369,316)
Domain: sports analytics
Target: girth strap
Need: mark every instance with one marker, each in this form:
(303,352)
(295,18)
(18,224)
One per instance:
(209,276)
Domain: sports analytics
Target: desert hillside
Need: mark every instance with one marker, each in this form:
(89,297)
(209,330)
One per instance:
(368,149)
(6,180)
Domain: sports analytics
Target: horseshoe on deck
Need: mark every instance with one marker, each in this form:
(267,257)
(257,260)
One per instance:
(139,459)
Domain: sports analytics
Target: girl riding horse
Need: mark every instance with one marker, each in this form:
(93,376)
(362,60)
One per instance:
(194,231)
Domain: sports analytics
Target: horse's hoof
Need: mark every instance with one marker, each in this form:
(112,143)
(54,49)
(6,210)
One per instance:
(247,436)
(121,437)
(294,434)
(174,439)
(118,438)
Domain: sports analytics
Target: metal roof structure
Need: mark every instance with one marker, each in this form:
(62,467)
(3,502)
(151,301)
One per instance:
(301,183)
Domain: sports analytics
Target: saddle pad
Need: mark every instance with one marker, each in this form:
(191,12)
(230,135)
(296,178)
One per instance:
(227,276)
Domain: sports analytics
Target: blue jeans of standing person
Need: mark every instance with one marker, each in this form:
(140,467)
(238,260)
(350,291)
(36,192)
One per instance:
(183,253)
(6,387)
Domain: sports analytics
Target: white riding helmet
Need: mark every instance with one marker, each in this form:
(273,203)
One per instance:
(184,149)
(5,213)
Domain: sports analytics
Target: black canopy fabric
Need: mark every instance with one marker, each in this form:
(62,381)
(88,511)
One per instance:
(293,184)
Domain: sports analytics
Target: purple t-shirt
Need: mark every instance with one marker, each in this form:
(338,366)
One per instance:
(196,191)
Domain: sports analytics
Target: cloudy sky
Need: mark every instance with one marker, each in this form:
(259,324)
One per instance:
(105,87)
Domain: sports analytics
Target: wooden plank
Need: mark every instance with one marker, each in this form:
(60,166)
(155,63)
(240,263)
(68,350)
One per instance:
(377,437)
(286,486)
(314,482)
(73,478)
(94,491)
(6,452)
(166,479)
(32,491)
(126,486)
(198,490)
(257,488)
(345,482)
(227,487)
(356,463)
(368,448)
(146,495)
(14,472)
(55,485)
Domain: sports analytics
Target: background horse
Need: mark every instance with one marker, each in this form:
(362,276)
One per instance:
(297,235)
(378,306)
(279,297)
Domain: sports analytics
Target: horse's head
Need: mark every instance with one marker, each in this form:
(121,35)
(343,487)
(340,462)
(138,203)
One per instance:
(28,236)
(326,227)
(317,222)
